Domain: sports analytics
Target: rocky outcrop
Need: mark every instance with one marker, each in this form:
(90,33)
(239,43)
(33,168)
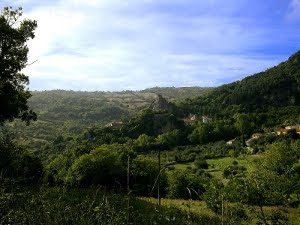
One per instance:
(160,103)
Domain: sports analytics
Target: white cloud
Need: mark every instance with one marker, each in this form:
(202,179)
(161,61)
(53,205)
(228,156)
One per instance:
(111,45)
(294,10)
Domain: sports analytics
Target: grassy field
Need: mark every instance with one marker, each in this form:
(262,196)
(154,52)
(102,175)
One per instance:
(189,206)
(217,166)
(199,208)
(183,166)
(57,206)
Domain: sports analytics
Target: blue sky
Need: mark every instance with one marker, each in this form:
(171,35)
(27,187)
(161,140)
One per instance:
(136,44)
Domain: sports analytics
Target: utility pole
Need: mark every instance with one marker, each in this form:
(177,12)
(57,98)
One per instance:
(158,183)
(128,174)
(128,189)
(222,209)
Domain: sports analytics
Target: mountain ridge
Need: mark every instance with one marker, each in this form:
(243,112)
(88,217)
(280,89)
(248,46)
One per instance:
(276,87)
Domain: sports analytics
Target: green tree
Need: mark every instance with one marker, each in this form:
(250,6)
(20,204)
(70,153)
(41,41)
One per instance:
(201,163)
(145,172)
(14,35)
(243,124)
(186,185)
(143,143)
(280,157)
(233,170)
(103,166)
(171,138)
(16,162)
(202,134)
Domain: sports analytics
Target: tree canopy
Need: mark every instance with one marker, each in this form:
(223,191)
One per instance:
(14,93)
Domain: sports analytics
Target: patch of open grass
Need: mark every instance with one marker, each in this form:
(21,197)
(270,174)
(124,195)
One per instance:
(217,166)
(191,206)
(182,166)
(199,208)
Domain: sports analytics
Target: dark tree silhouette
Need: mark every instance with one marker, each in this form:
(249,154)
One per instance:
(14,34)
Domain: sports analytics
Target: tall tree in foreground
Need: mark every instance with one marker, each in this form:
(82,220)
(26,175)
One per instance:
(14,93)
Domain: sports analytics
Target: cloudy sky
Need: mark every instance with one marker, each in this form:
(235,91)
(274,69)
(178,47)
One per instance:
(136,44)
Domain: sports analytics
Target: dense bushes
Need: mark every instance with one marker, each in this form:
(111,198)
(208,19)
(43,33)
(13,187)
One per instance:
(145,174)
(106,166)
(28,168)
(185,185)
(101,167)
(201,163)
(17,163)
(233,170)
(90,207)
(212,150)
(274,181)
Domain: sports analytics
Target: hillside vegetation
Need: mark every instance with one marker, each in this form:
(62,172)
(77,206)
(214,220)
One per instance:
(69,113)
(275,91)
(221,147)
(229,155)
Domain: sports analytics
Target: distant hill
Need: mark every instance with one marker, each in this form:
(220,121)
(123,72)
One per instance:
(63,112)
(275,92)
(272,96)
(174,94)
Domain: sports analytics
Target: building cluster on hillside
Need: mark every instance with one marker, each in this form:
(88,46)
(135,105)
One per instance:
(115,124)
(286,129)
(193,118)
(256,136)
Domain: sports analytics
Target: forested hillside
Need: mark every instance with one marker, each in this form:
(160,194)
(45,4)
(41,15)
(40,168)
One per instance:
(226,155)
(69,113)
(174,94)
(275,91)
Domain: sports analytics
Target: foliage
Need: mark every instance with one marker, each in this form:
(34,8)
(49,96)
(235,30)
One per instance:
(144,143)
(172,138)
(204,133)
(17,163)
(151,123)
(14,35)
(175,93)
(208,151)
(244,125)
(89,207)
(70,113)
(272,96)
(201,163)
(186,185)
(103,166)
(145,177)
(233,170)
(57,169)
(280,157)
(214,196)
(28,168)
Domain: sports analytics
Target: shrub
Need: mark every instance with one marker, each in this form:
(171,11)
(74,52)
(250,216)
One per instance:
(101,167)
(233,170)
(186,185)
(144,173)
(201,163)
(214,196)
(16,163)
(28,168)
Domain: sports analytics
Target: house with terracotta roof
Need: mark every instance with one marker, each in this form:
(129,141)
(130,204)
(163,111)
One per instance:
(206,119)
(285,130)
(193,118)
(115,124)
